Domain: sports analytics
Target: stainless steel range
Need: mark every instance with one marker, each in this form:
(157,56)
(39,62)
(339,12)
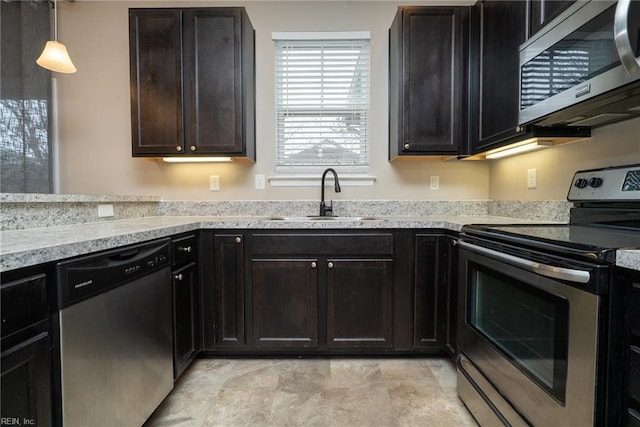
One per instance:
(533,306)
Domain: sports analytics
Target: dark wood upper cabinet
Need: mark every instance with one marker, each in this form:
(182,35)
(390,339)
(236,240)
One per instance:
(427,81)
(498,29)
(192,82)
(541,12)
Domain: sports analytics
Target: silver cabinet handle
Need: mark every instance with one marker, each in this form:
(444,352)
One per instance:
(568,274)
(313,264)
(178,148)
(406,146)
(330,264)
(193,148)
(186,249)
(623,42)
(179,277)
(238,239)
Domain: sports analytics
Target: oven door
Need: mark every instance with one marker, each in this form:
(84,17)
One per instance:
(531,339)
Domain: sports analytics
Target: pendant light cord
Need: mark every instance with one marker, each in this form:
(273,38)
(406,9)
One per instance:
(55,20)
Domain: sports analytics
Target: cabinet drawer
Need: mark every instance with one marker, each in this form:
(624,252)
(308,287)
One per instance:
(185,250)
(323,244)
(24,303)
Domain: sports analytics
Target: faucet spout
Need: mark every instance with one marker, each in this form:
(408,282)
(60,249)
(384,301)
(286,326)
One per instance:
(324,209)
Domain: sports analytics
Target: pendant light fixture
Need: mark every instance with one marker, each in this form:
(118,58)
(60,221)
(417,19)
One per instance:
(55,57)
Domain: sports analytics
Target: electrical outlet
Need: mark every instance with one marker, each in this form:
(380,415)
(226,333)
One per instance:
(435,183)
(532,178)
(214,183)
(260,182)
(105,211)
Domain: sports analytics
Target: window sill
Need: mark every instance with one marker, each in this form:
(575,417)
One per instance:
(314,180)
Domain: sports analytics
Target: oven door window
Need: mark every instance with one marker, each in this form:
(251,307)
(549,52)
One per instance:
(527,325)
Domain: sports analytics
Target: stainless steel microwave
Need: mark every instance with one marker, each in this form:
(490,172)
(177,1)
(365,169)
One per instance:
(583,69)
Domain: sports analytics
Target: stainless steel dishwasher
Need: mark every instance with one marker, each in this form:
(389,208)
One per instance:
(116,348)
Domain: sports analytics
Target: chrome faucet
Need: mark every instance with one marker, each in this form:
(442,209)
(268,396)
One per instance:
(324,209)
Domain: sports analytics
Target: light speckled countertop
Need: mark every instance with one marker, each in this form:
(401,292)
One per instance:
(27,247)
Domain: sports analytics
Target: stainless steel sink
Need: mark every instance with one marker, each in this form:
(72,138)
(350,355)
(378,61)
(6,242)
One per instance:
(323,218)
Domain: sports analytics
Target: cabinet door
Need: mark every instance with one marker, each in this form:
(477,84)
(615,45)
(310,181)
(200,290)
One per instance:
(229,284)
(541,12)
(184,318)
(155,37)
(26,383)
(431,291)
(216,52)
(427,76)
(284,303)
(502,28)
(359,303)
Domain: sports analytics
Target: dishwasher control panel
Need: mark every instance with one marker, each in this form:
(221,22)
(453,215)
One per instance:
(84,277)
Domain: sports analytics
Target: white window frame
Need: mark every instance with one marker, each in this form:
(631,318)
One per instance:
(295,175)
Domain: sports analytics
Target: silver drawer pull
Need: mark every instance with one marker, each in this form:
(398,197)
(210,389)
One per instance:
(186,249)
(238,239)
(179,277)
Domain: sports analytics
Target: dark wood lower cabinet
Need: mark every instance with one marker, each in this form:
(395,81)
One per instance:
(433,291)
(229,284)
(359,303)
(184,317)
(284,303)
(327,292)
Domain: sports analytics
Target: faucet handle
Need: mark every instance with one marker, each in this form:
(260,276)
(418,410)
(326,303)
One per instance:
(324,209)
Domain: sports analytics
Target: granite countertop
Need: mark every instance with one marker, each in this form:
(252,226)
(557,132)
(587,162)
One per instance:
(27,247)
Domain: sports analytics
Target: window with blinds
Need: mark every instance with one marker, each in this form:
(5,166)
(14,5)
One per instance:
(322,101)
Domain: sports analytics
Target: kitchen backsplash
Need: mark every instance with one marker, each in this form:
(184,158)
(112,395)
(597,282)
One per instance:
(19,211)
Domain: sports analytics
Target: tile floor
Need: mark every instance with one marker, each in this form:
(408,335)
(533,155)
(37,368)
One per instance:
(315,392)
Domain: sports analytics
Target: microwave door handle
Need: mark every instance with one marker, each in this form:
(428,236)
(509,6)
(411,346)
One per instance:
(621,36)
(553,272)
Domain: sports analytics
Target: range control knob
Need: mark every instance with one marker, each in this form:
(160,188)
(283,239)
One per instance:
(595,182)
(581,183)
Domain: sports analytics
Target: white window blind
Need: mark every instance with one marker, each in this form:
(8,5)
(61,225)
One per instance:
(322,101)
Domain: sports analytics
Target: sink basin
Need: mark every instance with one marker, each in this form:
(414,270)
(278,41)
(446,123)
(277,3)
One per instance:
(323,218)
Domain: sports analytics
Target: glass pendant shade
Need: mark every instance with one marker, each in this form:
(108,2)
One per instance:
(55,57)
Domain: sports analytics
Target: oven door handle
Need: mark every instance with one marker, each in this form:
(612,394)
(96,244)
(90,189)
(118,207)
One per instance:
(568,274)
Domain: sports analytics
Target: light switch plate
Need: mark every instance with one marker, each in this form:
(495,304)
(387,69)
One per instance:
(105,211)
(214,183)
(260,182)
(532,178)
(434,184)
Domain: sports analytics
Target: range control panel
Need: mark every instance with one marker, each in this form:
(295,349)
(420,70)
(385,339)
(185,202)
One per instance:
(618,183)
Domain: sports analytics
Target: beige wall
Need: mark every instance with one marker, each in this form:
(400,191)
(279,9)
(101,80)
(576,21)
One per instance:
(94,117)
(616,144)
